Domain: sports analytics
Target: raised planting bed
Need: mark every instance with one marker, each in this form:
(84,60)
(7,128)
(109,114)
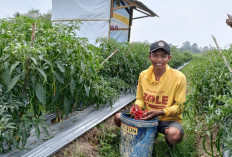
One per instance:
(71,128)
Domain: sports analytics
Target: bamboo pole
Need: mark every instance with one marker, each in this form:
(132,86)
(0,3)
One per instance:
(124,6)
(111,10)
(223,57)
(33,33)
(130,23)
(131,2)
(141,17)
(109,57)
(142,11)
(111,15)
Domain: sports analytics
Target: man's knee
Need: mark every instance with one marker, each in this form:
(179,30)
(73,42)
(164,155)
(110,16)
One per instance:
(117,119)
(174,135)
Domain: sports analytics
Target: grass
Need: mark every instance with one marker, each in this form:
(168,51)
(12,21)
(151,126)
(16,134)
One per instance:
(109,141)
(186,148)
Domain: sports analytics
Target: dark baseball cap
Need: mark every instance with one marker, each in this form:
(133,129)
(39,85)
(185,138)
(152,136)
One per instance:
(160,45)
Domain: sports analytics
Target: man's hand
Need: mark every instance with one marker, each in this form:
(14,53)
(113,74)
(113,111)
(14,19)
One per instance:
(152,114)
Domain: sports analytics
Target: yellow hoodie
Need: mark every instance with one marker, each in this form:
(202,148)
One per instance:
(167,94)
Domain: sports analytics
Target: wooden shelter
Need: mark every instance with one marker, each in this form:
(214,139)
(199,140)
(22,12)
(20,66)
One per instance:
(100,18)
(129,6)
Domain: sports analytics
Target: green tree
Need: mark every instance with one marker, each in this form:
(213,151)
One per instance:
(195,48)
(186,46)
(205,48)
(35,14)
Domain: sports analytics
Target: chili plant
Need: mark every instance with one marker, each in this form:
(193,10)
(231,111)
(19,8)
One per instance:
(55,71)
(211,97)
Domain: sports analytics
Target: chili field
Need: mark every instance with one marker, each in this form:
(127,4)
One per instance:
(47,69)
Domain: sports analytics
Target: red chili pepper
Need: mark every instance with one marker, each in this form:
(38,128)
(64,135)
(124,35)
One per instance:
(137,112)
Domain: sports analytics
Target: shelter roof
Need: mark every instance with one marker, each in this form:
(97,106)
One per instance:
(145,8)
(139,6)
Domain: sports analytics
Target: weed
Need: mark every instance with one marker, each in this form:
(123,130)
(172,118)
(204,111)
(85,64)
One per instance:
(109,141)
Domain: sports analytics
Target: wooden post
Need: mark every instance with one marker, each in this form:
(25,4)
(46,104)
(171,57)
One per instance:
(33,33)
(109,57)
(111,15)
(124,6)
(223,57)
(130,2)
(130,23)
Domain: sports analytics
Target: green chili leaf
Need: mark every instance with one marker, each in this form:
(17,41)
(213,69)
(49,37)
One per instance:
(48,62)
(56,96)
(34,60)
(14,66)
(40,93)
(44,129)
(6,65)
(42,73)
(13,82)
(60,66)
(15,142)
(5,56)
(37,132)
(82,66)
(87,89)
(7,135)
(41,57)
(24,137)
(72,85)
(72,69)
(59,77)
(81,79)
(6,76)
(66,106)
(45,67)
(33,79)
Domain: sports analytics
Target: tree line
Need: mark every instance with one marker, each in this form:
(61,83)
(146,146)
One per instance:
(193,48)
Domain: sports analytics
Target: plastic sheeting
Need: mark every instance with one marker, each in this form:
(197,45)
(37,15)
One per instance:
(95,18)
(96,11)
(80,9)
(92,30)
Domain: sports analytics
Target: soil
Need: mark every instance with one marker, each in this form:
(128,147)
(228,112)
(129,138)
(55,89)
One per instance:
(198,142)
(86,145)
(80,147)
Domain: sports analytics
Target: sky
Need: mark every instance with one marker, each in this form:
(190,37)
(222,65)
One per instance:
(179,21)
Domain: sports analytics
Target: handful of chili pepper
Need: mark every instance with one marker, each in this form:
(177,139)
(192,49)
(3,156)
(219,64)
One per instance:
(137,113)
